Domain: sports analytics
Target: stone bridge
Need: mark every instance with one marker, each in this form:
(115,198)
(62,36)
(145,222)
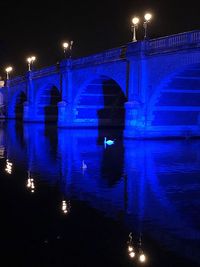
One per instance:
(151,88)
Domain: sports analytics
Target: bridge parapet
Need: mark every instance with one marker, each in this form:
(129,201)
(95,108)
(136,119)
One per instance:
(45,71)
(173,42)
(17,80)
(106,56)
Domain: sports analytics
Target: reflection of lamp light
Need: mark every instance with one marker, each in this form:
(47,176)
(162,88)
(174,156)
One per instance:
(131,250)
(30,183)
(66,206)
(142,257)
(8,167)
(132,254)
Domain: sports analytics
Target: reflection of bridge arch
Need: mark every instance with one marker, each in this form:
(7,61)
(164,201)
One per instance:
(156,198)
(185,230)
(47,103)
(16,107)
(176,101)
(167,221)
(100,102)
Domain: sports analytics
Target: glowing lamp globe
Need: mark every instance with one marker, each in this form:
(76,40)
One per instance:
(9,69)
(65,45)
(135,21)
(147,16)
(29,60)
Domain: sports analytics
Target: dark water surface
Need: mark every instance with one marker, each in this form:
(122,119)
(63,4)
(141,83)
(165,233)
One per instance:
(55,213)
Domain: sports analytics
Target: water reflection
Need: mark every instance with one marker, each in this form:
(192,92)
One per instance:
(66,206)
(2,152)
(131,246)
(30,182)
(135,250)
(150,187)
(142,256)
(8,167)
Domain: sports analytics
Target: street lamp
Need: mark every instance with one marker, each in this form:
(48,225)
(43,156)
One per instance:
(67,46)
(147,18)
(30,61)
(135,22)
(8,70)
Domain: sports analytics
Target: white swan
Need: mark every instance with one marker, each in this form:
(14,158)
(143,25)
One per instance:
(108,142)
(84,166)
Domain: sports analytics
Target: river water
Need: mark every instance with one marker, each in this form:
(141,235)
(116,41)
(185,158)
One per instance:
(55,212)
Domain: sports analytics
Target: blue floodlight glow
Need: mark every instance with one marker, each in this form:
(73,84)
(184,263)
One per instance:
(149,88)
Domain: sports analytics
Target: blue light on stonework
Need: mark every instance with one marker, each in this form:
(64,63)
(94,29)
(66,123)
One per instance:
(149,87)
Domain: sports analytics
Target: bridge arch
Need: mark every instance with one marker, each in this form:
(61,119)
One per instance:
(46,101)
(176,101)
(100,102)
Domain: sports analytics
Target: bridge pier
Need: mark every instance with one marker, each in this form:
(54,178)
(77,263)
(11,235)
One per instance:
(28,112)
(65,114)
(134,120)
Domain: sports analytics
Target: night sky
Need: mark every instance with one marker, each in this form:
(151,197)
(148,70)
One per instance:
(39,27)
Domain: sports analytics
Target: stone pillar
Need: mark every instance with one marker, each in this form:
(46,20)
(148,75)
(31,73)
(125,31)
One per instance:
(29,110)
(134,120)
(65,107)
(10,114)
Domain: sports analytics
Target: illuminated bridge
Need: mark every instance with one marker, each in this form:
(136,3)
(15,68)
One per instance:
(151,88)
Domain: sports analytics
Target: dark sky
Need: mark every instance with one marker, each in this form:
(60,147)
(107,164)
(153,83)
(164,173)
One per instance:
(39,27)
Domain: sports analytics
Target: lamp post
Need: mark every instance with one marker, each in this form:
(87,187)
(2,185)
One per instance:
(8,70)
(30,61)
(67,46)
(135,22)
(147,18)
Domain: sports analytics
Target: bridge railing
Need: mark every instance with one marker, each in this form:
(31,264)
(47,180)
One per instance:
(45,71)
(172,42)
(109,55)
(17,80)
